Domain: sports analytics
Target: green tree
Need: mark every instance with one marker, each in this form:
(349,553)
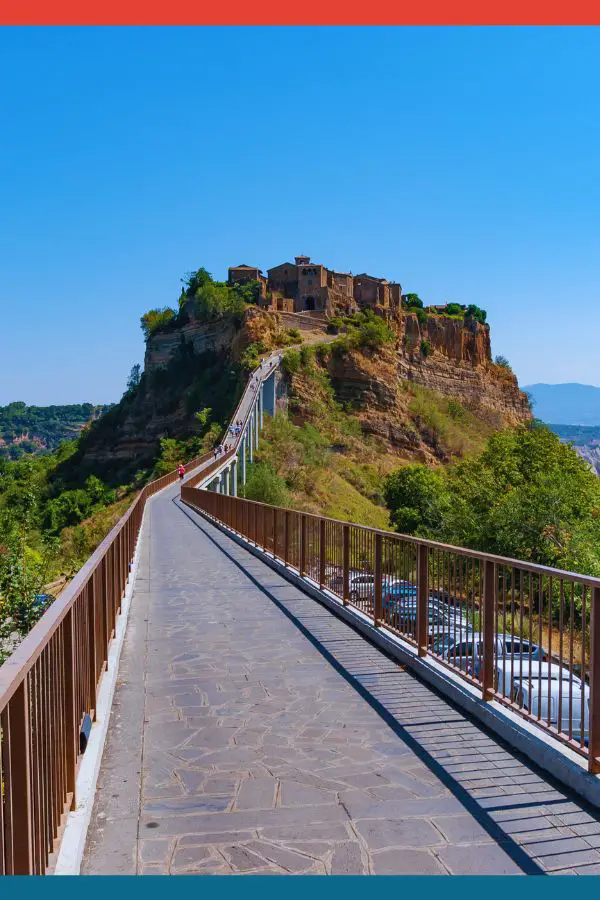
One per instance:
(475,313)
(418,500)
(412,301)
(134,378)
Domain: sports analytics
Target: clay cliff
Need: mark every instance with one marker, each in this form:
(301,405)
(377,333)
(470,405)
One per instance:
(201,365)
(460,365)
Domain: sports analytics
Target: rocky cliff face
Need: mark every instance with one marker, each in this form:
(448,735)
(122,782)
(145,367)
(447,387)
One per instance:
(197,365)
(196,337)
(460,365)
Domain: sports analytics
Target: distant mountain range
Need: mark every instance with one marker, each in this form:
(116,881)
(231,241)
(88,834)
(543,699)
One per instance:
(566,404)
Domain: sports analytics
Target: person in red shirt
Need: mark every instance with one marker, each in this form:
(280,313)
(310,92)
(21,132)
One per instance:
(180,471)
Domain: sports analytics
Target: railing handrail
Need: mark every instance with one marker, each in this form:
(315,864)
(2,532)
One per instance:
(538,568)
(23,658)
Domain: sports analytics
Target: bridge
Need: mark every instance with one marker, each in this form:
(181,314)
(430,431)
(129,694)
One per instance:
(284,693)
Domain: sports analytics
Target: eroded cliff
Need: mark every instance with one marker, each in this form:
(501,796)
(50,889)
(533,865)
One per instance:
(202,365)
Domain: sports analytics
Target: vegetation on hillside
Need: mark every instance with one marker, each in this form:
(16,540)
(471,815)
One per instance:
(526,496)
(46,533)
(320,459)
(40,429)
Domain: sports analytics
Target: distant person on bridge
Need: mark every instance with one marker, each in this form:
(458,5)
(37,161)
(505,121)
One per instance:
(180,471)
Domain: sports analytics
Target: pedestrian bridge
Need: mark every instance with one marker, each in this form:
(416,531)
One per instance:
(288,698)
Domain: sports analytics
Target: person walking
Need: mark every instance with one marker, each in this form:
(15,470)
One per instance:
(180,471)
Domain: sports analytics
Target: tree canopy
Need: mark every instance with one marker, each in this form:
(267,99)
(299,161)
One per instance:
(527,496)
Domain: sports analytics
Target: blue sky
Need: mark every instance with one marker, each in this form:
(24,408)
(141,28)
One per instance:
(461,162)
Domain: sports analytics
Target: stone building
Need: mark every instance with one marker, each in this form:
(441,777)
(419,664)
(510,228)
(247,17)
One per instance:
(305,286)
(243,273)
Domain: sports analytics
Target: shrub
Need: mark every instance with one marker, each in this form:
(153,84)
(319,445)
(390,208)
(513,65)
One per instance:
(456,411)
(322,352)
(335,324)
(374,334)
(251,356)
(156,319)
(503,362)
(291,362)
(307,357)
(421,315)
(425,348)
(454,309)
(266,486)
(294,333)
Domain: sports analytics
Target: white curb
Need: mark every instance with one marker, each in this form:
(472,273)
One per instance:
(73,841)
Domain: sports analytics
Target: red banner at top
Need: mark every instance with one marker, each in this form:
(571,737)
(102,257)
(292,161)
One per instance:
(307,12)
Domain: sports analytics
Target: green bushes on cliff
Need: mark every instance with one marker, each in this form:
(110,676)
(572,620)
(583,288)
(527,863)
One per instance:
(157,320)
(207,299)
(362,331)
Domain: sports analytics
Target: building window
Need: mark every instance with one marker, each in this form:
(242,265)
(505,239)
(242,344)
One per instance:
(309,281)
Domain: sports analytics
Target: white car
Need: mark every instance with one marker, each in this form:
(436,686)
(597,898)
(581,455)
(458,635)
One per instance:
(541,687)
(466,651)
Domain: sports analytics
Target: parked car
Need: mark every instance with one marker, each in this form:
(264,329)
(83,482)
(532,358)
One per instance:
(362,587)
(443,613)
(541,687)
(396,592)
(466,650)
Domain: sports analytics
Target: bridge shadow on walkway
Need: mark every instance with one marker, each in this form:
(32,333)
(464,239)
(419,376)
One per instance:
(254,732)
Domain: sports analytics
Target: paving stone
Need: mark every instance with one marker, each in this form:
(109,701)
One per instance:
(294,794)
(256,793)
(190,857)
(158,851)
(461,829)
(382,833)
(347,859)
(480,861)
(406,862)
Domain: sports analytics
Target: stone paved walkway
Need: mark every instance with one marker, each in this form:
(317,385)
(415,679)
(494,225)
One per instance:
(253,732)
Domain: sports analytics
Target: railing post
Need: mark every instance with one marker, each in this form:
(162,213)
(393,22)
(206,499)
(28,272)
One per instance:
(302,566)
(422,599)
(19,784)
(346,565)
(594,716)
(286,537)
(275,541)
(71,723)
(90,597)
(378,576)
(322,553)
(489,597)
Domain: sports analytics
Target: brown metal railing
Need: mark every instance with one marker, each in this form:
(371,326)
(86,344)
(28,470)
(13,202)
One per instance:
(526,635)
(48,687)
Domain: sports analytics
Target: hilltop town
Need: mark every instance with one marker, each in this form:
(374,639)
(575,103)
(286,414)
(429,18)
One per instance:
(306,286)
